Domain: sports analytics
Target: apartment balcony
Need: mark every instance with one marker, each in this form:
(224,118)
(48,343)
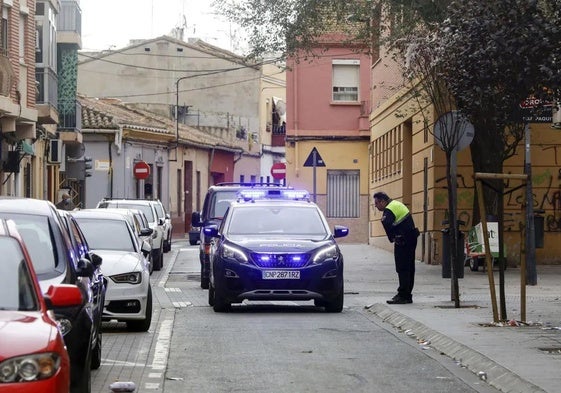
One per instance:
(70,116)
(47,96)
(69,24)
(278,136)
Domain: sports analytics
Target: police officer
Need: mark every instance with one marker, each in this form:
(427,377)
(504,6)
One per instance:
(401,231)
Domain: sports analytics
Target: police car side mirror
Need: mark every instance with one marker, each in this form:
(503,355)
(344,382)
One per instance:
(196,219)
(211,231)
(340,231)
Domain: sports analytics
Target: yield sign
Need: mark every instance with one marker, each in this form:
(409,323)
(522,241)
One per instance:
(314,159)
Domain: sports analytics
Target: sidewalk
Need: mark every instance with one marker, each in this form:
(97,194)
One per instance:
(523,358)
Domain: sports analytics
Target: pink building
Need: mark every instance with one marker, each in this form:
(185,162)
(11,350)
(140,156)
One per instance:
(328,105)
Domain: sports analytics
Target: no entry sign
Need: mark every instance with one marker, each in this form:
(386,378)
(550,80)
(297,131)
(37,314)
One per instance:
(141,170)
(278,170)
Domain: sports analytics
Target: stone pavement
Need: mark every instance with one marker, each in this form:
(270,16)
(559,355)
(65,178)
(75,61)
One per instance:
(525,357)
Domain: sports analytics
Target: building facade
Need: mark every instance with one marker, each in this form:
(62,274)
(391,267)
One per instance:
(21,145)
(327,134)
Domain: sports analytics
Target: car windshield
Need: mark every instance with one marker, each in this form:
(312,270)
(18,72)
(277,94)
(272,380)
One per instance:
(16,285)
(220,203)
(144,208)
(285,220)
(36,234)
(107,234)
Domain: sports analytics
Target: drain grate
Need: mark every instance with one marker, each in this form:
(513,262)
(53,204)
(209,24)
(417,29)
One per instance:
(461,306)
(183,276)
(552,351)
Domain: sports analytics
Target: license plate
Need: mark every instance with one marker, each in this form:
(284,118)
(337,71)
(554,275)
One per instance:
(281,275)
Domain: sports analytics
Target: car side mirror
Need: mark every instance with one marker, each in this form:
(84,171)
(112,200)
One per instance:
(340,231)
(85,268)
(63,295)
(146,231)
(95,259)
(211,231)
(161,221)
(145,248)
(196,219)
(168,217)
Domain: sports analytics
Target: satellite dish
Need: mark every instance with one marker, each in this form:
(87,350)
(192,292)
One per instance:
(453,131)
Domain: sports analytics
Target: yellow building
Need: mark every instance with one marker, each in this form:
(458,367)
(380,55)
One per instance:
(407,163)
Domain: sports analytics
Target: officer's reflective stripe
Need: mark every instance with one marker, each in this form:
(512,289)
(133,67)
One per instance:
(399,210)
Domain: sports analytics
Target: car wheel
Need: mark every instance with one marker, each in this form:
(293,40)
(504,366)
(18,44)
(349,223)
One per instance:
(81,379)
(474,264)
(335,305)
(205,280)
(157,259)
(220,303)
(167,244)
(210,295)
(96,351)
(144,324)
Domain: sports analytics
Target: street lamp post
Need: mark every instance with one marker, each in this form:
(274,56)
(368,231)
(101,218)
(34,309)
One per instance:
(177,109)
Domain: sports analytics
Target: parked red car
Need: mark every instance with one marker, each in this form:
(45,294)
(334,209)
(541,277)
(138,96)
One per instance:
(33,356)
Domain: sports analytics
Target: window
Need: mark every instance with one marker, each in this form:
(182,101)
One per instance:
(4,32)
(343,193)
(22,28)
(387,154)
(346,78)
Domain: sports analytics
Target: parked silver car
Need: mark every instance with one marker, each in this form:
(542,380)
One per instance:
(157,224)
(129,293)
(168,228)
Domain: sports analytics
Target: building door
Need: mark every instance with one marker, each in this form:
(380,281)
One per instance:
(188,190)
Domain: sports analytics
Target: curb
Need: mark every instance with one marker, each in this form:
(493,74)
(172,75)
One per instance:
(493,373)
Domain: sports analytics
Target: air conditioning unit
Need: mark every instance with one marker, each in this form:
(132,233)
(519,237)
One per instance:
(55,151)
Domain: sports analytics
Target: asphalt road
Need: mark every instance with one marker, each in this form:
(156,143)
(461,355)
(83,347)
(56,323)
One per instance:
(271,346)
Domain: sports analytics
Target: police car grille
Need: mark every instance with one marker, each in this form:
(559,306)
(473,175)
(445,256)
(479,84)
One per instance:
(280,260)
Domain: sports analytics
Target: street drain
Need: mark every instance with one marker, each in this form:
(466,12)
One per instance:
(552,351)
(183,276)
(461,306)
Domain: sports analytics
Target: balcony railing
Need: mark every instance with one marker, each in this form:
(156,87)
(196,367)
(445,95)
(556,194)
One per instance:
(47,86)
(70,115)
(70,17)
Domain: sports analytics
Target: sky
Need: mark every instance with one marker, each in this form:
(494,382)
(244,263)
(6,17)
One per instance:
(111,24)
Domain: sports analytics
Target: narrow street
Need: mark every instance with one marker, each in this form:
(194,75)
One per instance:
(268,346)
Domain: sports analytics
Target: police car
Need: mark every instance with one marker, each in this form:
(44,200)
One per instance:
(275,245)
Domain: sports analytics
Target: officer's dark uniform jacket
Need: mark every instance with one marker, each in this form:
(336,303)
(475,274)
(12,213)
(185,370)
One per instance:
(398,223)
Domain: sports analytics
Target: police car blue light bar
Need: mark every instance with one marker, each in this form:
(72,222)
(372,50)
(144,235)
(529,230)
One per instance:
(296,194)
(286,194)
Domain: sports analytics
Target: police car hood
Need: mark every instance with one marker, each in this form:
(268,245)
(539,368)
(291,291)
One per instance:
(279,244)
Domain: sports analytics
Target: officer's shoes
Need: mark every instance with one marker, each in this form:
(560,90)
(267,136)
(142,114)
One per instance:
(399,300)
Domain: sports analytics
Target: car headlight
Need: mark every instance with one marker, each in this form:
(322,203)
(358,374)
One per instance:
(326,254)
(233,253)
(127,278)
(29,368)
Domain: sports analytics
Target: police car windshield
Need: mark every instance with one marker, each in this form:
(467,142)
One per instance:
(284,221)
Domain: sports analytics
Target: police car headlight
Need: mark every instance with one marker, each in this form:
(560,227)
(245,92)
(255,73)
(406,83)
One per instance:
(326,254)
(233,254)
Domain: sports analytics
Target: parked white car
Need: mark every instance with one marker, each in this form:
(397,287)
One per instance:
(168,229)
(137,220)
(157,224)
(129,294)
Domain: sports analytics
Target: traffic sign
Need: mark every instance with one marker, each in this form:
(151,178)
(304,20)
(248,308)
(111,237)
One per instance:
(278,170)
(314,159)
(141,170)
